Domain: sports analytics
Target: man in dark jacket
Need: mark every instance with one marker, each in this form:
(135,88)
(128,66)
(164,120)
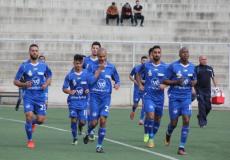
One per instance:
(203,89)
(126,13)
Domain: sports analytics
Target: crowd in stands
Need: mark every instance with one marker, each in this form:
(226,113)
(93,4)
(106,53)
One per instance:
(127,12)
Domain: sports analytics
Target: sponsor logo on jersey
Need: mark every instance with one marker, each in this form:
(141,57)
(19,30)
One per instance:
(36,81)
(101,83)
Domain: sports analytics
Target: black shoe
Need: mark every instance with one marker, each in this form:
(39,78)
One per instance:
(181,151)
(142,25)
(99,150)
(74,141)
(167,139)
(86,139)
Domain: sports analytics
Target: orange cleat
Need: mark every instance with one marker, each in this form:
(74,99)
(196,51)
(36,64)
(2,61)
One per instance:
(132,114)
(31,144)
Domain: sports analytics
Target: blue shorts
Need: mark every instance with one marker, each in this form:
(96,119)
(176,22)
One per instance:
(152,106)
(39,108)
(137,95)
(80,114)
(99,106)
(178,107)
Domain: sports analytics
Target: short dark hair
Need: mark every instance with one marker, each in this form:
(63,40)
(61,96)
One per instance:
(150,50)
(144,57)
(78,57)
(156,47)
(96,43)
(113,3)
(33,45)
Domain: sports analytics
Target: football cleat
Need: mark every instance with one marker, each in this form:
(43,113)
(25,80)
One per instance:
(146,138)
(150,143)
(74,141)
(99,150)
(86,139)
(167,139)
(132,114)
(141,122)
(31,144)
(181,151)
(92,137)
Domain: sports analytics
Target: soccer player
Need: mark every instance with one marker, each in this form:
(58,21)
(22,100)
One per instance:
(100,96)
(88,62)
(37,76)
(42,58)
(76,84)
(153,98)
(181,78)
(137,94)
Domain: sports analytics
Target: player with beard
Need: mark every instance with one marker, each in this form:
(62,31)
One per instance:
(153,98)
(37,77)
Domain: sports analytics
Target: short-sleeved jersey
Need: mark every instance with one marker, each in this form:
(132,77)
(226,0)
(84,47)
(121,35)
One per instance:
(88,61)
(134,72)
(154,76)
(204,74)
(79,82)
(36,73)
(103,85)
(176,71)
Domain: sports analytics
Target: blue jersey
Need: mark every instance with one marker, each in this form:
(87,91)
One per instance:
(79,82)
(134,73)
(36,73)
(177,71)
(103,85)
(88,61)
(154,76)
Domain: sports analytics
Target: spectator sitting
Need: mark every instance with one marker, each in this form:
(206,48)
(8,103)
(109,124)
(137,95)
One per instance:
(137,9)
(112,13)
(126,13)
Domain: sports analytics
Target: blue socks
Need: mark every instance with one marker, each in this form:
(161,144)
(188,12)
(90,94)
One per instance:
(150,128)
(101,136)
(74,129)
(156,127)
(184,135)
(146,126)
(28,128)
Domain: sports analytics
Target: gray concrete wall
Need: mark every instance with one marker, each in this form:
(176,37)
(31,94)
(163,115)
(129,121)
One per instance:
(165,21)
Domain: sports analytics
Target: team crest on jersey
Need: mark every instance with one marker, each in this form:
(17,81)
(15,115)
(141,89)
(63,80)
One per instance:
(149,73)
(101,83)
(30,73)
(74,83)
(36,81)
(178,74)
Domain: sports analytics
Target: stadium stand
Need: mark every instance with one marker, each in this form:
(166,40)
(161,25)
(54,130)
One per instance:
(59,24)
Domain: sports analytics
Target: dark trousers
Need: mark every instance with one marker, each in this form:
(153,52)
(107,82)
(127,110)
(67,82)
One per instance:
(204,106)
(108,16)
(126,17)
(139,16)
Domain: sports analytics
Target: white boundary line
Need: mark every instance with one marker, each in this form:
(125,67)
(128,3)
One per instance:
(109,140)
